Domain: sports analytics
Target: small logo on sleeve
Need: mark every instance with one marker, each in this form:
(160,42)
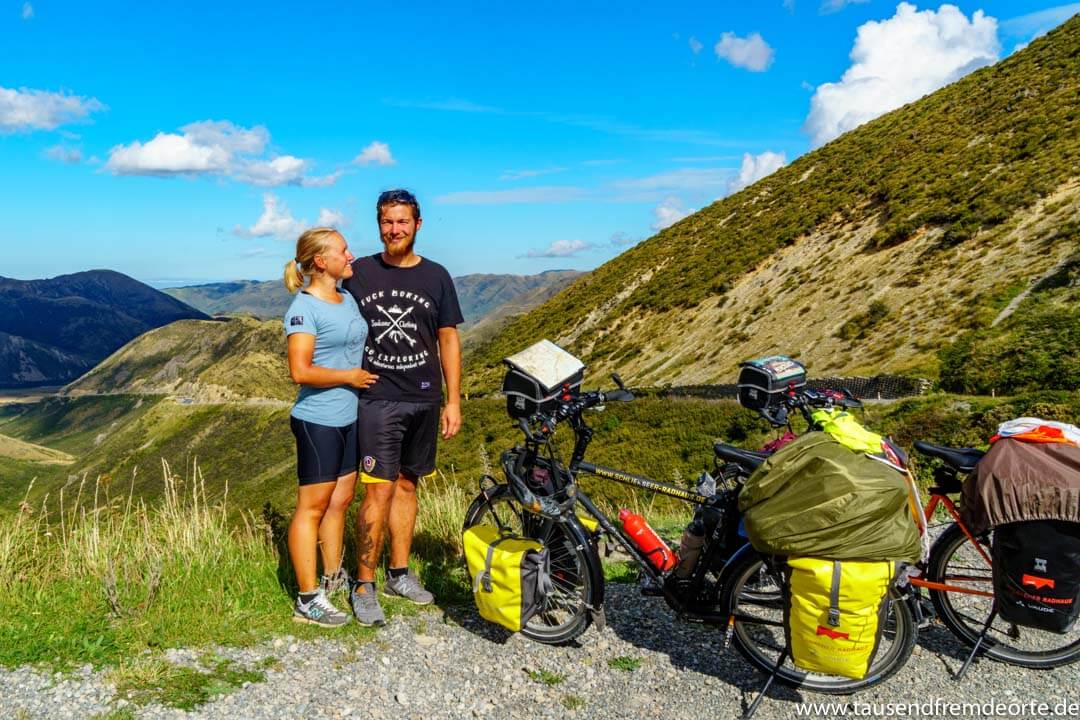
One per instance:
(369,463)
(425,385)
(296,320)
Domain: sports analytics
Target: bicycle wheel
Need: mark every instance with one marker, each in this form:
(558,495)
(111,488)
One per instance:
(755,595)
(575,569)
(955,561)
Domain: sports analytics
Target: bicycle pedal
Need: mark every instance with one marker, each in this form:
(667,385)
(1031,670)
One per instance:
(927,615)
(650,587)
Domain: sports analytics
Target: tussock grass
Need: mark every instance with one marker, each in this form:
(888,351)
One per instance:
(101,577)
(106,576)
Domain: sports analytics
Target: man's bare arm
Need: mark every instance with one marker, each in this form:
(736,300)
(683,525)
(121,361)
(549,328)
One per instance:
(450,357)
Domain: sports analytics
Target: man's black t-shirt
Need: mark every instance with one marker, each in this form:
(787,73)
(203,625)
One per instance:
(404,308)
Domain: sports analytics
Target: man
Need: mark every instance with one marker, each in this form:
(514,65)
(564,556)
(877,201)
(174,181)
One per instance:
(412,312)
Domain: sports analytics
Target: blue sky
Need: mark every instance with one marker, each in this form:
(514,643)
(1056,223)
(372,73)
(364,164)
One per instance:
(191,142)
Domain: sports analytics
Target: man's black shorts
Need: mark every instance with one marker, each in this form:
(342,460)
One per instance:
(397,438)
(324,453)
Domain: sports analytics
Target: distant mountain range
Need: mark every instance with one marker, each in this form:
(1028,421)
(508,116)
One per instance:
(54,330)
(480,295)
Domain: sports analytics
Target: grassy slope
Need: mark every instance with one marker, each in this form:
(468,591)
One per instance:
(233,359)
(1034,348)
(962,182)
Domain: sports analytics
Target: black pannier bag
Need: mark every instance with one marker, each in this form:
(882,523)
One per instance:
(538,377)
(1037,573)
(763,382)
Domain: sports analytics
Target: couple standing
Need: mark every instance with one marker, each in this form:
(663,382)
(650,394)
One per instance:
(370,357)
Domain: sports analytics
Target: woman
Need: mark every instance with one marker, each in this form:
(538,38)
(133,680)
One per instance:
(326,335)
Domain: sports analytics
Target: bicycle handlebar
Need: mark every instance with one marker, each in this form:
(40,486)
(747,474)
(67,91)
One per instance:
(568,409)
(807,400)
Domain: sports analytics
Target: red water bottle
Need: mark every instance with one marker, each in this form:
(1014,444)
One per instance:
(647,541)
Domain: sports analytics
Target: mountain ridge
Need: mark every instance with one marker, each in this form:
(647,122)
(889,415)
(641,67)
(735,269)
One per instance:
(874,250)
(55,329)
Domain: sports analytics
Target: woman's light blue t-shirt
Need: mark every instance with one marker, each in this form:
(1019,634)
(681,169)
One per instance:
(340,332)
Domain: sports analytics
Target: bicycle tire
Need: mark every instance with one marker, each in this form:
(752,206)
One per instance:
(761,643)
(952,560)
(575,566)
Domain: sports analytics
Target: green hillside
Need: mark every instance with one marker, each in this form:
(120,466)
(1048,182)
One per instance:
(1032,349)
(934,211)
(263,299)
(210,360)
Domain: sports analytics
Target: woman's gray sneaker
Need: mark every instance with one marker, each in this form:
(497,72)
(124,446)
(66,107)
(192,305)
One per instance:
(408,587)
(318,611)
(365,605)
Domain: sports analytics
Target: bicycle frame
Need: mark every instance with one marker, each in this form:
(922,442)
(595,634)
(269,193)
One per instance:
(583,436)
(941,498)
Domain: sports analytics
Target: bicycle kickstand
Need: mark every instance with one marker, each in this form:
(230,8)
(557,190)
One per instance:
(978,644)
(768,683)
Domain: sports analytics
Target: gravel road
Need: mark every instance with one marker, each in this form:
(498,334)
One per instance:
(452,664)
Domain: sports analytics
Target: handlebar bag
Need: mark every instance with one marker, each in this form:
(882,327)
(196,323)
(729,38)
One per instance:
(1037,573)
(511,576)
(834,613)
(763,382)
(538,376)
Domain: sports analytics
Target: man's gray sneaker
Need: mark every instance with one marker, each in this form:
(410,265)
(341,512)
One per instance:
(408,587)
(335,581)
(365,605)
(318,611)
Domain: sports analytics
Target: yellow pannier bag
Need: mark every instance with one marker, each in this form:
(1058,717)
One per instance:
(835,612)
(511,575)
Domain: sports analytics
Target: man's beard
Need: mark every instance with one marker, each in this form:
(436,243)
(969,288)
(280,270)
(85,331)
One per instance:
(403,252)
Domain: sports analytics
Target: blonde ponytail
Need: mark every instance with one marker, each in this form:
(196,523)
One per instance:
(310,243)
(294,279)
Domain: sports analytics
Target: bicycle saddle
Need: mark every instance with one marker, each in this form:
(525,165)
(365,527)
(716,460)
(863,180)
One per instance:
(963,459)
(747,459)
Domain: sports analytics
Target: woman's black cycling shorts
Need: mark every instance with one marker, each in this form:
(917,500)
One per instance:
(323,453)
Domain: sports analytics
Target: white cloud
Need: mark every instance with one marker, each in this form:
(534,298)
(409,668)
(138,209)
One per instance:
(275,221)
(898,60)
(695,45)
(621,239)
(27,11)
(65,154)
(751,52)
(29,109)
(282,170)
(523,174)
(1039,23)
(214,147)
(331,218)
(669,212)
(543,194)
(682,179)
(755,167)
(377,153)
(831,6)
(561,249)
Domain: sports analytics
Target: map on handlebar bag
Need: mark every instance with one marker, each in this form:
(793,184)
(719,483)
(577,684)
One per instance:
(547,363)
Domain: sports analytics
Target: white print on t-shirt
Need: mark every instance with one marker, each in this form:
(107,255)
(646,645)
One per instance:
(383,361)
(396,323)
(403,294)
